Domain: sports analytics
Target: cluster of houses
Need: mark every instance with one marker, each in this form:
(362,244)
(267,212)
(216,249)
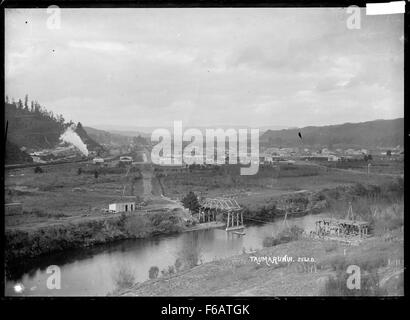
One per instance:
(274,154)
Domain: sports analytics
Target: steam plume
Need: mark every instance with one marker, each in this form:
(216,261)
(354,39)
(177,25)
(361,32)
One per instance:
(71,137)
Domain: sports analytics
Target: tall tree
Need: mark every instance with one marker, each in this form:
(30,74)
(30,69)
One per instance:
(26,102)
(190,201)
(20,104)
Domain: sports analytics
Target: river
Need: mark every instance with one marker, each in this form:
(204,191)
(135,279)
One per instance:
(95,271)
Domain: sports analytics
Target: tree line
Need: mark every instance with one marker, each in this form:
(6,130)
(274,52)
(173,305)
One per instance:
(35,108)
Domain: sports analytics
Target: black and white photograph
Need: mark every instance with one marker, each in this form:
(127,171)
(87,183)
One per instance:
(204,152)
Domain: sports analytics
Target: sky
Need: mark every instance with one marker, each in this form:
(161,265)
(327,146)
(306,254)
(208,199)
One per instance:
(131,68)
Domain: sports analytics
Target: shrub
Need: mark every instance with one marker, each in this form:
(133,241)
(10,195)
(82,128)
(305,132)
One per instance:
(190,201)
(38,170)
(178,264)
(153,272)
(134,225)
(286,235)
(124,278)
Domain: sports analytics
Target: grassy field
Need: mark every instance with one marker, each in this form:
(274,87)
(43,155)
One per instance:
(268,184)
(377,166)
(60,192)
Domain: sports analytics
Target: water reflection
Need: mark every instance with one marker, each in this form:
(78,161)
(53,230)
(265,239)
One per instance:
(102,269)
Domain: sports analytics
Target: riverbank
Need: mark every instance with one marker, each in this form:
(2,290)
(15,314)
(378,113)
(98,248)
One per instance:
(315,266)
(25,243)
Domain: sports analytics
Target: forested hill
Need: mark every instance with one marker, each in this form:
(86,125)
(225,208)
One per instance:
(105,137)
(377,133)
(32,126)
(90,142)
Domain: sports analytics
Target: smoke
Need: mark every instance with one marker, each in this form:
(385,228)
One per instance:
(71,137)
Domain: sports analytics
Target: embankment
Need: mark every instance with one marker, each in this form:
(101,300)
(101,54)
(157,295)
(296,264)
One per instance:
(22,244)
(300,268)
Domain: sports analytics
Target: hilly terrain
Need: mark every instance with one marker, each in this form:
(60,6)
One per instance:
(35,128)
(92,145)
(377,133)
(124,138)
(107,138)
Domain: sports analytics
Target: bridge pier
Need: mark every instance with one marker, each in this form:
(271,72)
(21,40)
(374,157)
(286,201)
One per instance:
(210,207)
(234,221)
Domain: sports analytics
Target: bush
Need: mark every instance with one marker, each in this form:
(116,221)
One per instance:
(153,272)
(124,278)
(38,170)
(190,201)
(286,235)
(178,264)
(168,271)
(165,222)
(134,225)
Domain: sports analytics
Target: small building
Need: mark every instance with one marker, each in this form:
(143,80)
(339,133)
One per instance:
(121,207)
(332,157)
(126,159)
(98,160)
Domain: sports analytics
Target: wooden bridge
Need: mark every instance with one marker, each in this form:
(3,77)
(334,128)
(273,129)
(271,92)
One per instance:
(229,208)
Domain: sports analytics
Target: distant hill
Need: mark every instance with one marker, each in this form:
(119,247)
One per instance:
(34,128)
(377,133)
(92,145)
(131,133)
(116,139)
(107,138)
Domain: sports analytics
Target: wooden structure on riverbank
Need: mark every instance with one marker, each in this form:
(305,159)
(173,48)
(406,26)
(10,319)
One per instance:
(209,208)
(348,230)
(342,227)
